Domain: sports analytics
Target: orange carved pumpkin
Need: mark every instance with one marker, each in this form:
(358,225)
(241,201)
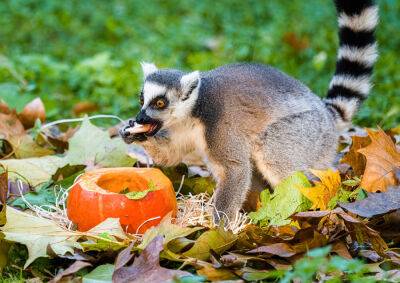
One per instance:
(96,196)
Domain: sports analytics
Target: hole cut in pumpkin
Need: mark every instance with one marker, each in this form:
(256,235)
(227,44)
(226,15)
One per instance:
(116,182)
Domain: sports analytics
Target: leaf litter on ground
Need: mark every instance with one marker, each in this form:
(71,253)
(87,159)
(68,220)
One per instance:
(283,229)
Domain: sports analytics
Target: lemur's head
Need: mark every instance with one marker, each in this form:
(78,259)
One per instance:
(167,98)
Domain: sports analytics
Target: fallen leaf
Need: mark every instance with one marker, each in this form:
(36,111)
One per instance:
(124,256)
(297,42)
(108,235)
(279,249)
(32,111)
(46,194)
(10,126)
(101,274)
(84,107)
(25,147)
(136,195)
(371,255)
(259,276)
(216,239)
(43,195)
(286,200)
(73,268)
(323,191)
(212,274)
(357,229)
(341,249)
(93,147)
(67,171)
(146,267)
(3,195)
(4,107)
(168,230)
(110,226)
(383,158)
(35,170)
(354,158)
(37,234)
(375,203)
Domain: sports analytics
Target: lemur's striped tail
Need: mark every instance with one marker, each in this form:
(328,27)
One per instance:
(356,57)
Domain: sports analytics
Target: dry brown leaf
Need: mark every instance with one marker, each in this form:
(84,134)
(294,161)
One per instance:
(214,274)
(4,108)
(73,268)
(375,203)
(24,146)
(10,126)
(383,158)
(354,158)
(341,249)
(32,111)
(323,191)
(279,249)
(297,42)
(84,107)
(146,267)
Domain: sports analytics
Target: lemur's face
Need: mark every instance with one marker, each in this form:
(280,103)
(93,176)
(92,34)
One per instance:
(167,99)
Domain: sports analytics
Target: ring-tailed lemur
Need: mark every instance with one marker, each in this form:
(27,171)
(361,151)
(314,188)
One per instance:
(250,119)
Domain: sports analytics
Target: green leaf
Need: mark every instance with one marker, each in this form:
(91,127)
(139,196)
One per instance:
(44,195)
(198,185)
(10,93)
(92,146)
(47,192)
(286,200)
(319,252)
(101,274)
(108,235)
(352,182)
(263,275)
(135,195)
(216,239)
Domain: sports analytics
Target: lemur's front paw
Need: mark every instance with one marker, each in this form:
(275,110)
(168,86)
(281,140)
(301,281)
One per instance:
(223,217)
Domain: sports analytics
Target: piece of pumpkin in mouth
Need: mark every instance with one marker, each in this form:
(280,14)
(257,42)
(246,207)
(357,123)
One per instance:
(139,128)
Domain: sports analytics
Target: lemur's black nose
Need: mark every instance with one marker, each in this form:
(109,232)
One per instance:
(142,118)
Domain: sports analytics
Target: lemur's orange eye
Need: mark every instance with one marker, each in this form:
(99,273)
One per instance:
(160,103)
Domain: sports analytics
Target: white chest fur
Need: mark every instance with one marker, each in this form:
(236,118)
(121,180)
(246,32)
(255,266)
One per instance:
(183,139)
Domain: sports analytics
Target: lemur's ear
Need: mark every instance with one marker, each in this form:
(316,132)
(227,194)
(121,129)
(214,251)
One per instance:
(148,68)
(189,83)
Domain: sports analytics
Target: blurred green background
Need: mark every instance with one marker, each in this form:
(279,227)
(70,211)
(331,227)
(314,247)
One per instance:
(72,51)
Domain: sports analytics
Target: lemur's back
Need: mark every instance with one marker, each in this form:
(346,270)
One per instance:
(269,93)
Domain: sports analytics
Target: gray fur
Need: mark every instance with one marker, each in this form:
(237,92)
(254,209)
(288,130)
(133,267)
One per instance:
(255,119)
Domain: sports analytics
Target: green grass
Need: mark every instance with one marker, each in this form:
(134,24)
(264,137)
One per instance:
(69,51)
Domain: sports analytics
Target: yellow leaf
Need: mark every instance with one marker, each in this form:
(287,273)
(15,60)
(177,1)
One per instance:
(324,190)
(382,160)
